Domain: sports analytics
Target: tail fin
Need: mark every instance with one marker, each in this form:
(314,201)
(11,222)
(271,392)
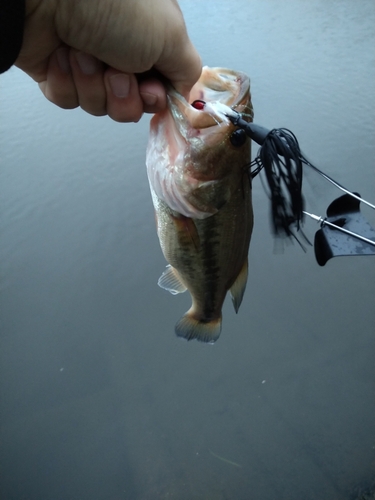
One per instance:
(201,329)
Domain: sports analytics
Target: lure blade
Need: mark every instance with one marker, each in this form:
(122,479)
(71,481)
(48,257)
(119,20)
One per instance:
(330,242)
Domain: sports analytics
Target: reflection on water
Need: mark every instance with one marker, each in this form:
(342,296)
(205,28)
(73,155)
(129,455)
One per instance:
(99,399)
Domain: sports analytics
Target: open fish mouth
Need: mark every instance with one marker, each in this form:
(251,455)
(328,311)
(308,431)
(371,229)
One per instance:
(190,151)
(215,85)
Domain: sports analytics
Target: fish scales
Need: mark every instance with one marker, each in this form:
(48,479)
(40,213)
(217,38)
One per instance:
(201,192)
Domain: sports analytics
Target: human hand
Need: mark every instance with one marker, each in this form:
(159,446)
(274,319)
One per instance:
(88,52)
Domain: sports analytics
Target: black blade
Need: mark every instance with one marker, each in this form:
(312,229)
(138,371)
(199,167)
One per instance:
(329,242)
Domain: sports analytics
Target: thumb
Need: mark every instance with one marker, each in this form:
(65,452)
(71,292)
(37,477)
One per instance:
(181,65)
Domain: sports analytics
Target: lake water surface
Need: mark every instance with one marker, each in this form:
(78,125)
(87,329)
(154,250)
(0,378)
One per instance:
(99,399)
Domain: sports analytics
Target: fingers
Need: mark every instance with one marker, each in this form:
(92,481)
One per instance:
(124,104)
(127,99)
(74,78)
(153,95)
(133,37)
(58,85)
(87,72)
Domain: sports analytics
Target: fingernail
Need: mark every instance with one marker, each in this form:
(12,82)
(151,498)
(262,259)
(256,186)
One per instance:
(88,64)
(62,55)
(149,99)
(120,85)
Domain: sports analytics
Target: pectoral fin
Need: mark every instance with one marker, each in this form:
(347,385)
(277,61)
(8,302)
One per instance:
(238,288)
(186,231)
(171,281)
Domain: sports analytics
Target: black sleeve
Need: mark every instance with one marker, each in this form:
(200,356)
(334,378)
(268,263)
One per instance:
(12,18)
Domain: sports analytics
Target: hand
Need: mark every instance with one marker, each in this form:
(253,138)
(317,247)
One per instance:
(88,52)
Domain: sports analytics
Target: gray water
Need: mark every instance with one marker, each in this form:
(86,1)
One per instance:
(99,399)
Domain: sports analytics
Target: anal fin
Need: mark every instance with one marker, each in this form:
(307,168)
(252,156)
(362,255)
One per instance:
(170,281)
(237,290)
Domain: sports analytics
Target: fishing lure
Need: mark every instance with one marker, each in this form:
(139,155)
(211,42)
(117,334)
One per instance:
(344,232)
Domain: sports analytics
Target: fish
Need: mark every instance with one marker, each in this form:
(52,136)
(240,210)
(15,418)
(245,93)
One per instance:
(198,171)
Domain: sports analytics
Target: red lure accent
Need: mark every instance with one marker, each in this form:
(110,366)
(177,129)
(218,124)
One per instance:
(198,104)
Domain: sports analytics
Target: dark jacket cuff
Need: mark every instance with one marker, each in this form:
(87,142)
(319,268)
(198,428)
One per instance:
(12,19)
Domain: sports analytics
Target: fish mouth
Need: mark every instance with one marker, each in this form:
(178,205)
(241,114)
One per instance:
(215,85)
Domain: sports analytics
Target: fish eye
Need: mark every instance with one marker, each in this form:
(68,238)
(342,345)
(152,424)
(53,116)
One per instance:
(238,138)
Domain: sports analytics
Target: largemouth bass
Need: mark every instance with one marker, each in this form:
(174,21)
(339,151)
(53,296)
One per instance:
(197,167)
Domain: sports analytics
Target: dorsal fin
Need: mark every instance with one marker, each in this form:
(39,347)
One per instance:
(237,290)
(171,281)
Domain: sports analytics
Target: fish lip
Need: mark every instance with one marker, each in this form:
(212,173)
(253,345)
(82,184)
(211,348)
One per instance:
(190,121)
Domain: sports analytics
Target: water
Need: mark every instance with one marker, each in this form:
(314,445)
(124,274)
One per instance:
(99,399)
